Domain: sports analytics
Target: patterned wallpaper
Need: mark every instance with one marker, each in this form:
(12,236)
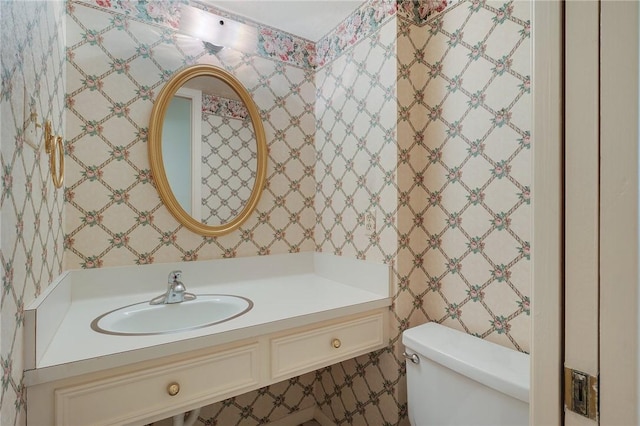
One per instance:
(229,159)
(459,224)
(464,133)
(356,143)
(32,58)
(356,139)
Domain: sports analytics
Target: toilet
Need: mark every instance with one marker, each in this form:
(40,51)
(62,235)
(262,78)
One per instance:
(454,378)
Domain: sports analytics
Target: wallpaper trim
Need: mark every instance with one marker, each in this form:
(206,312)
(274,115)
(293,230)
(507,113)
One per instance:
(364,22)
(220,106)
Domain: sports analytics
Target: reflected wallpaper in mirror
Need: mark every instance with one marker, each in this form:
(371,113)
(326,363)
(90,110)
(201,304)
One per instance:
(209,150)
(228,158)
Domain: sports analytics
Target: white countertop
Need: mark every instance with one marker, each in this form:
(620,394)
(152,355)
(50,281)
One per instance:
(287,291)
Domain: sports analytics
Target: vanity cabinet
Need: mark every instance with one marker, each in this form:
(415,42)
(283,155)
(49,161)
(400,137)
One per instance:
(147,392)
(307,350)
(137,396)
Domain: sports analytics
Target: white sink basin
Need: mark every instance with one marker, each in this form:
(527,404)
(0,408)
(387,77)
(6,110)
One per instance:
(145,319)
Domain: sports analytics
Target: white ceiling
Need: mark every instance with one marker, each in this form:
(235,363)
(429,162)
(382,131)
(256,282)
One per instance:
(310,19)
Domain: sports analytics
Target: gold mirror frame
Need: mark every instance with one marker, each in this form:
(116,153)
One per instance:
(155,149)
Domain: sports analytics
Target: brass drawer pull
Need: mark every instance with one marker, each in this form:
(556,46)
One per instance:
(336,343)
(173,389)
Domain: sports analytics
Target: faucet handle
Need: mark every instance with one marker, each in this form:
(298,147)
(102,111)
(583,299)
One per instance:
(174,276)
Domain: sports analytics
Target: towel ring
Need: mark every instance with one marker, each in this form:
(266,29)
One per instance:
(54,146)
(57,168)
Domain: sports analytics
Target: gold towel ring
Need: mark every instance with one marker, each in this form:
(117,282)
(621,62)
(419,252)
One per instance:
(57,168)
(54,146)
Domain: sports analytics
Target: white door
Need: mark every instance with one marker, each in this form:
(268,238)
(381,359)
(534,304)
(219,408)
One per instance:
(619,120)
(581,201)
(546,308)
(586,299)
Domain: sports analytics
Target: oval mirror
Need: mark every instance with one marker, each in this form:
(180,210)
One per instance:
(207,150)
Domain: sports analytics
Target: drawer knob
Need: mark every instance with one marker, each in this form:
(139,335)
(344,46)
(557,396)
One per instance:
(336,343)
(173,389)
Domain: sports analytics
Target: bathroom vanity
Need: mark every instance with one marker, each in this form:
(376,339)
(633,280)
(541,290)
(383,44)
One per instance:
(310,310)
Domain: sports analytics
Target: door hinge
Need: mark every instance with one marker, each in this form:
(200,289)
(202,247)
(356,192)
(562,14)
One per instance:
(581,393)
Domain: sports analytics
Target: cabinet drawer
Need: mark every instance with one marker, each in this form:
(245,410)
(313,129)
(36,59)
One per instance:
(134,397)
(312,349)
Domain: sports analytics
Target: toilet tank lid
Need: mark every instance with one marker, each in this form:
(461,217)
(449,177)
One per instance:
(495,366)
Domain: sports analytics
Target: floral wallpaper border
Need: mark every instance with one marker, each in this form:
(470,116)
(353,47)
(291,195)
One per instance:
(359,25)
(286,47)
(162,12)
(224,107)
(419,11)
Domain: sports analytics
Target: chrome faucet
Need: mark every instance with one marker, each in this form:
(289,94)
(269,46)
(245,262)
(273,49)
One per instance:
(176,293)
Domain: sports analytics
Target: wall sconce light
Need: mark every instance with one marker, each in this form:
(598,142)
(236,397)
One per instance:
(216,31)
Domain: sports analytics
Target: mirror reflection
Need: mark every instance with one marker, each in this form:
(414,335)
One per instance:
(209,150)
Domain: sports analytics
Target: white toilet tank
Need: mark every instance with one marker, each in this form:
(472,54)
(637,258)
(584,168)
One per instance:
(460,379)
